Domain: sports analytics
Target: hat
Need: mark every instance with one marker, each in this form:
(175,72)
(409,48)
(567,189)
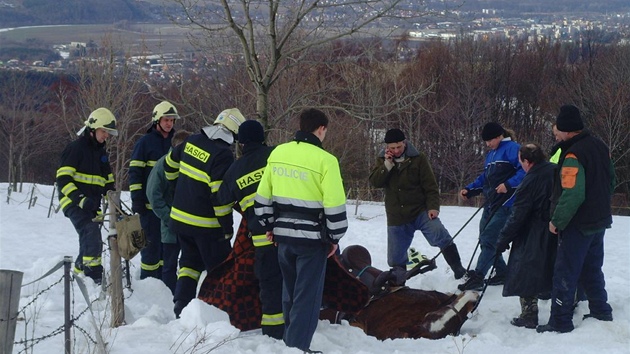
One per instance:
(394,136)
(491,130)
(569,119)
(251,131)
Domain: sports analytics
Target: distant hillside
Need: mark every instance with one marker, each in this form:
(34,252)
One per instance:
(548,6)
(54,12)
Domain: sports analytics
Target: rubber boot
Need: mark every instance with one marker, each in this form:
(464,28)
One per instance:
(451,256)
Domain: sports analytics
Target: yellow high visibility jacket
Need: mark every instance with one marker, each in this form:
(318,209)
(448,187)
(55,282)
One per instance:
(301,195)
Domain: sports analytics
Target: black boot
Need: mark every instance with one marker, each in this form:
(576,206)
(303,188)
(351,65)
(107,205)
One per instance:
(451,256)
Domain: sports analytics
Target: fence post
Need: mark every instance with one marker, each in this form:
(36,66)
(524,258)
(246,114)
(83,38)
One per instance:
(67,325)
(115,266)
(10,284)
(50,207)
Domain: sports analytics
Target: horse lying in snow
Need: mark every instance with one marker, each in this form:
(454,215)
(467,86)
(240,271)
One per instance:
(398,311)
(376,307)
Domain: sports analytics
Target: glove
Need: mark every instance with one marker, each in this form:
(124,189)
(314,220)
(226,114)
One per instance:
(502,247)
(138,206)
(89,204)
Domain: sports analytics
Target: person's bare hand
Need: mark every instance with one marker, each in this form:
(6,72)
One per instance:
(501,188)
(552,228)
(433,214)
(333,249)
(463,194)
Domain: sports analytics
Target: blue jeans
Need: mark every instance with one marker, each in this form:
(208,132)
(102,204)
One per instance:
(399,238)
(303,270)
(580,258)
(489,228)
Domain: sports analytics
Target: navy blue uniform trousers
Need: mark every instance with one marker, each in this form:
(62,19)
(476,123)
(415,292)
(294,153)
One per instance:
(90,244)
(151,255)
(580,258)
(303,271)
(267,270)
(199,253)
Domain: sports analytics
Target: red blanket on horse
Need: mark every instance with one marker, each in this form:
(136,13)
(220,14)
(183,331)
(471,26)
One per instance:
(397,312)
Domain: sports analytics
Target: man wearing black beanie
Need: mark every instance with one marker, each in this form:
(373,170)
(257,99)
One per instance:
(501,176)
(412,202)
(581,213)
(239,187)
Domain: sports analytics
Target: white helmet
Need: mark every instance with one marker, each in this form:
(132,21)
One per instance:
(164,109)
(102,118)
(231,119)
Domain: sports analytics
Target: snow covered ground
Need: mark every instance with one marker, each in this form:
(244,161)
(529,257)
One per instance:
(32,243)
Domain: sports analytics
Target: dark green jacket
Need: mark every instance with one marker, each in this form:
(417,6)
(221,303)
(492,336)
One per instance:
(410,186)
(584,185)
(160,192)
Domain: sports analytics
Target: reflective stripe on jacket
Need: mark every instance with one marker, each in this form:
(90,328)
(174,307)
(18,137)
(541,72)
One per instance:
(302,183)
(84,171)
(240,183)
(147,150)
(198,165)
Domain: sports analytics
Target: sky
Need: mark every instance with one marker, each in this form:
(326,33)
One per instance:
(32,243)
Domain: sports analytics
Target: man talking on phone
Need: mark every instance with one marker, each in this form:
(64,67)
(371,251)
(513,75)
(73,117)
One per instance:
(412,202)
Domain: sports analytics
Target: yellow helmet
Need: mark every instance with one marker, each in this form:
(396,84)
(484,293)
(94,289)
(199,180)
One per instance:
(231,119)
(102,118)
(164,109)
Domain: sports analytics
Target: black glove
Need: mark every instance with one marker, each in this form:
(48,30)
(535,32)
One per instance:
(138,206)
(89,204)
(502,247)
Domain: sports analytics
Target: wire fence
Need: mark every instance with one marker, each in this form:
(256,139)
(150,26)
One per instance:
(83,333)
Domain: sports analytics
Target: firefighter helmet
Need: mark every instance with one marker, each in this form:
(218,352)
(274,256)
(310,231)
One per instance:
(164,109)
(231,119)
(102,118)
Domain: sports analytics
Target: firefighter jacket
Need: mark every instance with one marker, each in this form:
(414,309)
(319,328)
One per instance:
(146,152)
(502,166)
(584,185)
(240,183)
(198,166)
(410,186)
(84,172)
(301,195)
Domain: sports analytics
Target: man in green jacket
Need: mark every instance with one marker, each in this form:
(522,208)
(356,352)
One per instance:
(581,213)
(160,194)
(412,202)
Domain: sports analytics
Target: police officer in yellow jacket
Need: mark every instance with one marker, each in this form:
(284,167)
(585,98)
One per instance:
(203,226)
(83,177)
(301,202)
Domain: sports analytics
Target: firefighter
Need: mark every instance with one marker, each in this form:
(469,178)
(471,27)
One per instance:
(239,186)
(83,177)
(203,226)
(302,204)
(150,148)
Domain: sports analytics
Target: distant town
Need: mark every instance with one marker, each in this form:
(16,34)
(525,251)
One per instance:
(483,25)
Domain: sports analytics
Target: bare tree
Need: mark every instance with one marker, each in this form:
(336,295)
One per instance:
(109,79)
(24,131)
(275,35)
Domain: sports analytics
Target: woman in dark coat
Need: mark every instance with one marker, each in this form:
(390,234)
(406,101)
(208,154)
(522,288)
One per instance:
(530,266)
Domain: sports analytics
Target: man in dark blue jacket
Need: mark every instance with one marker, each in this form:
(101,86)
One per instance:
(239,186)
(83,177)
(501,176)
(153,145)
